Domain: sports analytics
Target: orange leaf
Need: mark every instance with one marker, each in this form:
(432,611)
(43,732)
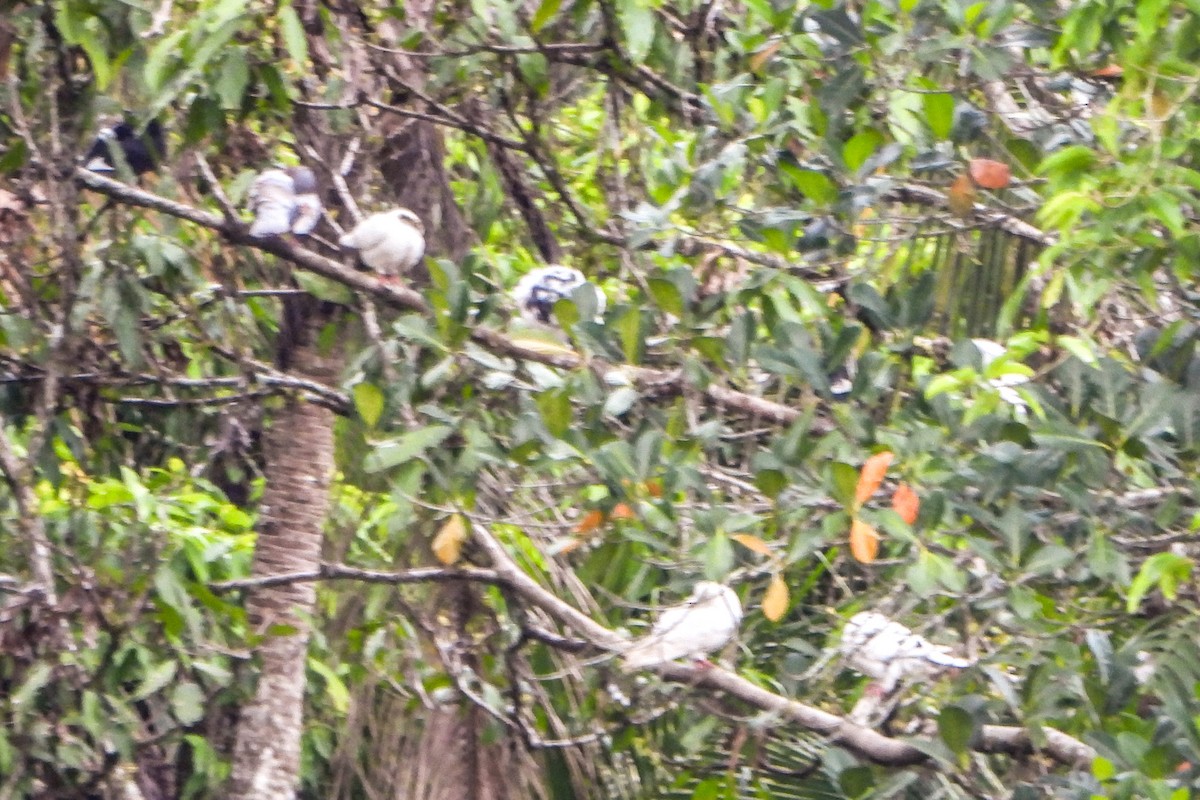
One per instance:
(961,196)
(871,475)
(775,601)
(906,503)
(622,511)
(763,56)
(1109,71)
(989,174)
(864,541)
(447,545)
(654,488)
(751,542)
(591,521)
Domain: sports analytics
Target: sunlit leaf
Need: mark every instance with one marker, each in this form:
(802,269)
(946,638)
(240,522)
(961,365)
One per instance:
(447,544)
(873,471)
(775,600)
(864,541)
(753,543)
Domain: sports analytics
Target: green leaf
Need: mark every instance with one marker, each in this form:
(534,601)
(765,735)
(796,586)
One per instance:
(939,113)
(1164,570)
(406,447)
(666,295)
(335,687)
(817,186)
(544,14)
(188,703)
(158,677)
(293,34)
(556,412)
(844,478)
(956,727)
(637,23)
(368,401)
(860,147)
(234,78)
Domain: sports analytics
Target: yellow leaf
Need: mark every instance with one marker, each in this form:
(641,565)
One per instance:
(447,545)
(775,601)
(864,541)
(752,542)
(871,475)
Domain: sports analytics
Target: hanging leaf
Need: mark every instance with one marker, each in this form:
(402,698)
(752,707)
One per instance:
(752,543)
(871,475)
(447,545)
(591,521)
(989,174)
(961,196)
(864,541)
(906,503)
(775,601)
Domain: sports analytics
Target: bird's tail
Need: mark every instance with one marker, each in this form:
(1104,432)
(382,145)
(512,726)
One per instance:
(944,659)
(644,654)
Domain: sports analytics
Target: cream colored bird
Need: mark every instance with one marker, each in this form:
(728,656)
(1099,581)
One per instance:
(889,652)
(391,242)
(702,624)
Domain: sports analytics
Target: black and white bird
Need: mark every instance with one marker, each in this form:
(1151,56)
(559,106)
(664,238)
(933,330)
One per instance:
(285,200)
(702,624)
(141,152)
(391,242)
(539,289)
(889,652)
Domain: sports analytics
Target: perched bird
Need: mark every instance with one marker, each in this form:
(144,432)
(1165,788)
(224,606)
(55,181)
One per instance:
(539,289)
(285,200)
(141,152)
(705,622)
(391,242)
(889,652)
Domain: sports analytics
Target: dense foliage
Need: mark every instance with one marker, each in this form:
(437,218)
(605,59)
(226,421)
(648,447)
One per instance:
(776,198)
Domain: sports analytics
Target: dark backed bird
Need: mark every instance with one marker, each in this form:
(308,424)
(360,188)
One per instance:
(539,289)
(141,152)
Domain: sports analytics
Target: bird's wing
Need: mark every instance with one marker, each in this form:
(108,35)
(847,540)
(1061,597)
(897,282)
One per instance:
(367,235)
(306,213)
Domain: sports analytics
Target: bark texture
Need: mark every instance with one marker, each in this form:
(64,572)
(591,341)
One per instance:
(298,449)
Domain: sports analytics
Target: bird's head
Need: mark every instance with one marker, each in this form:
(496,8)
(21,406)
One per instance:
(409,217)
(304,180)
(866,624)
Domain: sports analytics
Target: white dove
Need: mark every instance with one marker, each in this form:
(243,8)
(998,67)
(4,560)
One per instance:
(888,652)
(539,289)
(705,622)
(284,200)
(391,242)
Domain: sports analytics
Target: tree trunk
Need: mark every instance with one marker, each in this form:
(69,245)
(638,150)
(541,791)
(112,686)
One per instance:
(298,448)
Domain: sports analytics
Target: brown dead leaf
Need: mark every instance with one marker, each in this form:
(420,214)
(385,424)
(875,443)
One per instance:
(961,196)
(989,174)
(752,543)
(591,521)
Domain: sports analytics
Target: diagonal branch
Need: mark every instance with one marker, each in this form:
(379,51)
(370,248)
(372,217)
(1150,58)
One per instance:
(401,297)
(867,743)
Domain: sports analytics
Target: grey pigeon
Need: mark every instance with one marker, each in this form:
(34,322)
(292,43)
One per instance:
(284,200)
